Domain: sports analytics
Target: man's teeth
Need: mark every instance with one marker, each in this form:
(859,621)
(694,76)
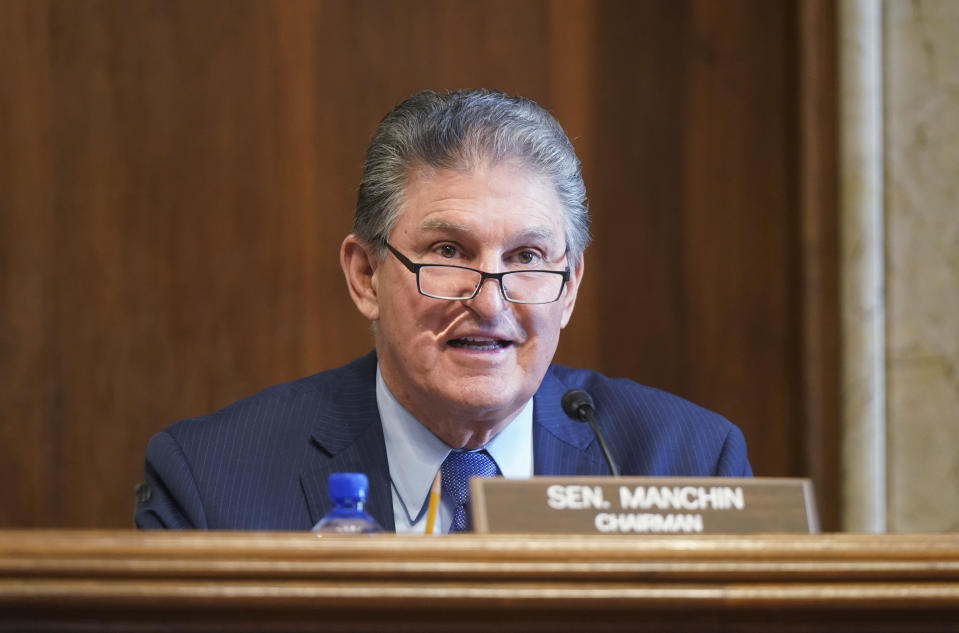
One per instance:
(478,343)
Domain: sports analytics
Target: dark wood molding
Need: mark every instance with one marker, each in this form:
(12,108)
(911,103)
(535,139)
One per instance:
(818,231)
(135,581)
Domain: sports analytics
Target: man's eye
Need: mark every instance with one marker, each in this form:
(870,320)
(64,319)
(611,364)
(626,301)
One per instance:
(447,251)
(527,257)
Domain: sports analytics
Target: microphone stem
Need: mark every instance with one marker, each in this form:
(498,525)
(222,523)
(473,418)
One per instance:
(602,444)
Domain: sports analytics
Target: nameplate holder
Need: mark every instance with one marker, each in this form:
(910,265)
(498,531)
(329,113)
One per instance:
(643,505)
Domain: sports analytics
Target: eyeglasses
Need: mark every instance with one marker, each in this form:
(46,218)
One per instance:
(459,283)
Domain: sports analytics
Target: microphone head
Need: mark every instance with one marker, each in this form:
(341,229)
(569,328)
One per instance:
(576,403)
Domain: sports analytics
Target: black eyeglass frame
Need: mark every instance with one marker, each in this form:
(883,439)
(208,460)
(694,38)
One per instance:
(415,269)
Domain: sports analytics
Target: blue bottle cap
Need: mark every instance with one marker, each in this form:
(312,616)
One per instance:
(348,487)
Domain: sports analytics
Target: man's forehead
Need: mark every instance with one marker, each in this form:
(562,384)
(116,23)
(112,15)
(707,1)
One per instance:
(539,233)
(502,200)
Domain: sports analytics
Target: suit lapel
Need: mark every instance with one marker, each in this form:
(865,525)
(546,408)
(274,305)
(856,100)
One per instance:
(348,437)
(561,446)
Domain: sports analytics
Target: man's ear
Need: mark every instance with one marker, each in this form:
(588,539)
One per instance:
(359,265)
(572,288)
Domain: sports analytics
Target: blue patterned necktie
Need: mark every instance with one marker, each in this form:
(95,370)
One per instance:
(456,471)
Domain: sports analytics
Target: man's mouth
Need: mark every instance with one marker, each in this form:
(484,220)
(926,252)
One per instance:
(479,343)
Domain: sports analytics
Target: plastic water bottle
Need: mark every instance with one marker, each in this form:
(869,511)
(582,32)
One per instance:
(348,492)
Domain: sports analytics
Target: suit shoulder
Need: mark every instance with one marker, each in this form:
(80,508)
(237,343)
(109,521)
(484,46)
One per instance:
(622,396)
(658,433)
(289,404)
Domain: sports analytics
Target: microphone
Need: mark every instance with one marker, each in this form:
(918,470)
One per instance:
(579,406)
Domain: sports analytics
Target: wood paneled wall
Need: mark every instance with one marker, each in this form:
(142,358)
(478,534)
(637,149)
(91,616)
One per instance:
(176,177)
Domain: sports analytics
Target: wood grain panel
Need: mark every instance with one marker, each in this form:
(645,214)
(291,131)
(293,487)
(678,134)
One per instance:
(637,191)
(740,220)
(819,210)
(697,220)
(29,394)
(176,177)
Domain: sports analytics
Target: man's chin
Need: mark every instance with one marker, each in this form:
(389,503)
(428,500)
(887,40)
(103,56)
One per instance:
(486,397)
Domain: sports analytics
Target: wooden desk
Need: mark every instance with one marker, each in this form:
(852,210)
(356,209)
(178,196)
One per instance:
(228,581)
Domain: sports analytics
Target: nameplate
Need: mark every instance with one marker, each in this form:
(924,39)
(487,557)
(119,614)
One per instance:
(643,505)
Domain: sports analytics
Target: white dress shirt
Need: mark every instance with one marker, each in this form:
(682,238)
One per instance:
(415,455)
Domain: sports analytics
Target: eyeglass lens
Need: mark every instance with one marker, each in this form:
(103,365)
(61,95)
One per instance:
(459,283)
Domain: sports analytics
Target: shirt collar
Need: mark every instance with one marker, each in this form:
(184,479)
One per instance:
(415,454)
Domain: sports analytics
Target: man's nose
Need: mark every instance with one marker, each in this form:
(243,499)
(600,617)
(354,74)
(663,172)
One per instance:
(489,301)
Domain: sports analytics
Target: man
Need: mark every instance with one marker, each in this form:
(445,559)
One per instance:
(466,256)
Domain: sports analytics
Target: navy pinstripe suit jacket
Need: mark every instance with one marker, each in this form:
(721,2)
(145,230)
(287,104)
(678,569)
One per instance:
(261,463)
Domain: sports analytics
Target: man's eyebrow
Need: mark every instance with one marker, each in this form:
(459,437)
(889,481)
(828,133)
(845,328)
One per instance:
(536,234)
(444,225)
(531,234)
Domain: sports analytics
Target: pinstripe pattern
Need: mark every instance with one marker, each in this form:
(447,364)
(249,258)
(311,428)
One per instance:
(262,462)
(649,432)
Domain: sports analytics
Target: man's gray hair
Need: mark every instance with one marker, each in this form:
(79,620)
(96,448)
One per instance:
(461,130)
